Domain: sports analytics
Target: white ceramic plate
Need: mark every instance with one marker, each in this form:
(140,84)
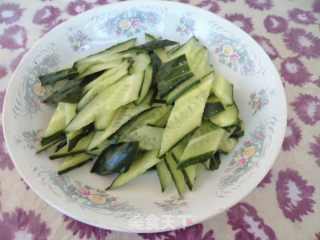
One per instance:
(140,206)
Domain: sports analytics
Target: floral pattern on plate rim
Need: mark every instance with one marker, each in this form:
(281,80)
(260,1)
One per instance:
(232,52)
(30,139)
(185,26)
(85,196)
(260,99)
(127,22)
(79,41)
(30,93)
(173,204)
(246,157)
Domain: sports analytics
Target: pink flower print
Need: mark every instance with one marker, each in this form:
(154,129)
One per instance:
(10,12)
(266,44)
(5,160)
(306,44)
(294,71)
(46,15)
(241,162)
(246,143)
(113,199)
(135,23)
(260,5)
(315,149)
(316,6)
(60,179)
(292,137)
(241,21)
(301,16)
(216,50)
(84,192)
(209,5)
(307,108)
(78,6)
(266,180)
(245,218)
(234,58)
(14,37)
(3,71)
(84,230)
(275,24)
(20,224)
(294,195)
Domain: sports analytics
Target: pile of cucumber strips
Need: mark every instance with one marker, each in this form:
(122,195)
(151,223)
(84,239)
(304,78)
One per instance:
(134,108)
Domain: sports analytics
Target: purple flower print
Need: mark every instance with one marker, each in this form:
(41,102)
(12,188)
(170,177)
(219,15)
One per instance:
(266,180)
(14,37)
(317,82)
(194,232)
(226,1)
(22,225)
(297,40)
(27,186)
(260,5)
(307,108)
(318,235)
(85,230)
(2,95)
(316,6)
(10,12)
(102,2)
(267,46)
(244,217)
(294,71)
(78,6)
(294,195)
(46,16)
(275,24)
(3,71)
(209,5)
(300,16)
(5,160)
(14,63)
(292,137)
(315,149)
(241,21)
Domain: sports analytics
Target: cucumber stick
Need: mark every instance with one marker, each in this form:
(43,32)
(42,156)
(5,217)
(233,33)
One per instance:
(164,175)
(222,89)
(137,168)
(180,122)
(176,174)
(74,161)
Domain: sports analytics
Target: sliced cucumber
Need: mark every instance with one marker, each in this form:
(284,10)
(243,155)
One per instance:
(99,149)
(150,116)
(222,89)
(212,109)
(228,145)
(180,122)
(227,117)
(122,115)
(147,81)
(103,120)
(176,173)
(137,168)
(203,144)
(164,175)
(71,162)
(53,77)
(149,137)
(79,148)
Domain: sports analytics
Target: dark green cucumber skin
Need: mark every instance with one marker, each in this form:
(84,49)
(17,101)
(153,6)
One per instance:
(156,64)
(198,159)
(73,167)
(154,45)
(57,136)
(190,186)
(85,131)
(66,154)
(48,145)
(52,78)
(215,161)
(71,92)
(172,174)
(61,144)
(116,158)
(172,100)
(212,109)
(170,85)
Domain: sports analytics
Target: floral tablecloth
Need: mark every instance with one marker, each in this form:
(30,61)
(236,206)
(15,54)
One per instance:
(283,206)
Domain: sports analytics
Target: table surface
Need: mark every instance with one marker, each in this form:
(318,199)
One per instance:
(283,206)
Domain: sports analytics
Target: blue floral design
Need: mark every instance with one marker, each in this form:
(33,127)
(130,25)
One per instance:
(185,26)
(29,99)
(78,40)
(129,23)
